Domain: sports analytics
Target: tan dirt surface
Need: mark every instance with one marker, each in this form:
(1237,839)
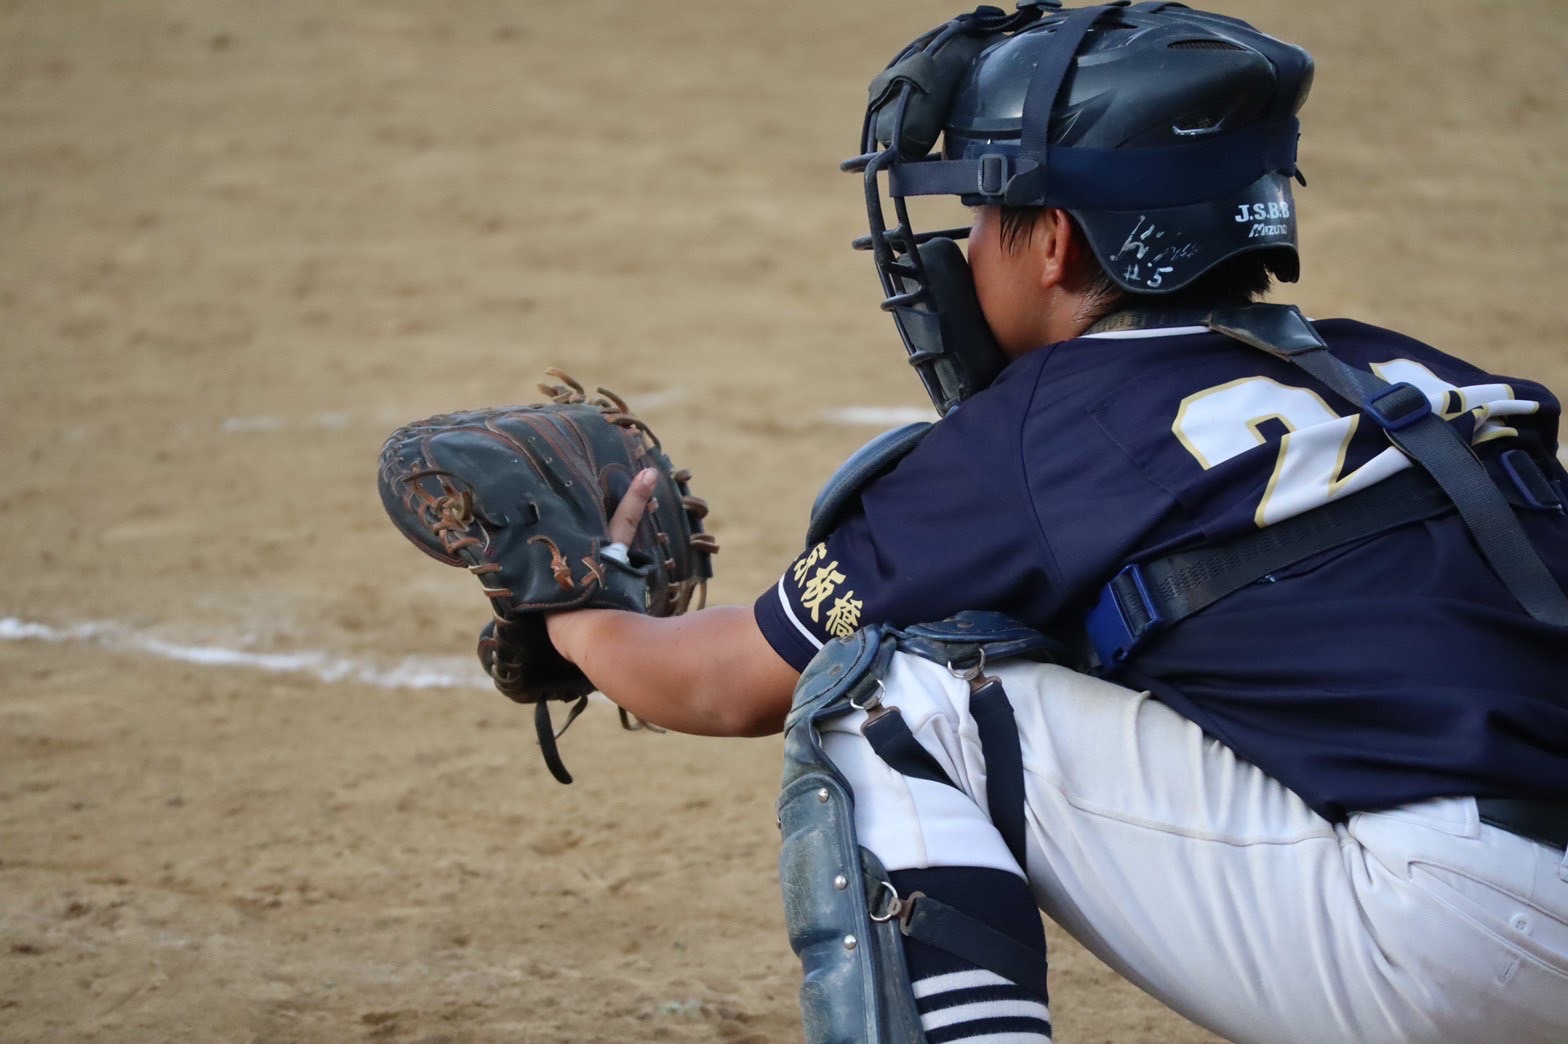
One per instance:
(241,241)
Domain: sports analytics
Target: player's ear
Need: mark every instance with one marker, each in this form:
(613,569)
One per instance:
(1059,247)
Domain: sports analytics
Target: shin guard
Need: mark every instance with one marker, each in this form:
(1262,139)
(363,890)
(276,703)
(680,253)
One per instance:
(855,987)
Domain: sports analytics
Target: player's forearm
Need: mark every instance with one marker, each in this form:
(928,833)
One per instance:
(709,673)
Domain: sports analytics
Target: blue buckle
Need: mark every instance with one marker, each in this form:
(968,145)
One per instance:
(1398,406)
(992,176)
(1537,491)
(1122,618)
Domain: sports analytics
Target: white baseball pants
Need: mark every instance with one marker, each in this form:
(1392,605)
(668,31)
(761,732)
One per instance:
(1217,890)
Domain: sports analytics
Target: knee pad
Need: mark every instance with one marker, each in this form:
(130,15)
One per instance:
(855,987)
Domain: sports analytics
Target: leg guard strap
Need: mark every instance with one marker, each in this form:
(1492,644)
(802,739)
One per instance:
(1004,766)
(889,735)
(937,924)
(964,644)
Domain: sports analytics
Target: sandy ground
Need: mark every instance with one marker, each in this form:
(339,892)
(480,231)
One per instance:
(240,242)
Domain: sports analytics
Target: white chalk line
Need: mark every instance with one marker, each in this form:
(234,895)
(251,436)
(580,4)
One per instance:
(412,672)
(324,421)
(886,416)
(332,420)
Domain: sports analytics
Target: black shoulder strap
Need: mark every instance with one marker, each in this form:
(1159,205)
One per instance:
(1148,596)
(1405,415)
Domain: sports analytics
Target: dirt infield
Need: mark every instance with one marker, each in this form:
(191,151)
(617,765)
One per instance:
(240,242)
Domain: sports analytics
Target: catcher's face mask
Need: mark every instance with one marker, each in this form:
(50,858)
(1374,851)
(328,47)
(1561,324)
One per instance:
(1169,134)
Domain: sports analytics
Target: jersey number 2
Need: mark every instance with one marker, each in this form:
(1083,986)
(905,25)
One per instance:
(1225,421)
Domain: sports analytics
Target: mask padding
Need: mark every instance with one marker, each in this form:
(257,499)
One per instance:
(969,357)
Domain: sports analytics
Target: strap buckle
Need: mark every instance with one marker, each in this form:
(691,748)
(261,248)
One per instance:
(1538,492)
(1122,618)
(871,702)
(887,905)
(991,178)
(1398,406)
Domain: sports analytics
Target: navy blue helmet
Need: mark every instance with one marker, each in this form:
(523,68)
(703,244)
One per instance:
(1168,133)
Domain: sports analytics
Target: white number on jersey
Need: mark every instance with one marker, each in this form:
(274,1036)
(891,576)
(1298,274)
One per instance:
(1222,422)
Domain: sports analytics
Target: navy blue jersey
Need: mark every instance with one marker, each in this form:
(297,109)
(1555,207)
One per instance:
(1384,671)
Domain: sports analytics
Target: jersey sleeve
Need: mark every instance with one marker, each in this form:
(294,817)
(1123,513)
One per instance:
(950,527)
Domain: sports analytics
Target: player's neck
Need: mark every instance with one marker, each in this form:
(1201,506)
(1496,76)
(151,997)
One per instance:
(1066,314)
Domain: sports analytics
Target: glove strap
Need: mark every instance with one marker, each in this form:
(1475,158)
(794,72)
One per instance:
(548,735)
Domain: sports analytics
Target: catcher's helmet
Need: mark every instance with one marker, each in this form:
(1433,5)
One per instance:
(1168,133)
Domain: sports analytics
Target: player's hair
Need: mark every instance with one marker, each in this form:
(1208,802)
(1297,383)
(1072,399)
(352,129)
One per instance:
(1237,281)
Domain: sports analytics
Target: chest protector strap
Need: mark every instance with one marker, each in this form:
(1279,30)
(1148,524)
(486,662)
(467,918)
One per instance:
(1145,597)
(1148,596)
(1405,415)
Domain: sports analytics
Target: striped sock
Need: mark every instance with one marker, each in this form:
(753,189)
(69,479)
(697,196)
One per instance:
(977,1005)
(956,1000)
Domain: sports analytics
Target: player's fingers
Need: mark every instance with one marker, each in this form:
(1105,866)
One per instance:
(623,524)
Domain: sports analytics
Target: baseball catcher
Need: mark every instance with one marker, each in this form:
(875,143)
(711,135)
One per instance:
(1233,641)
(525,498)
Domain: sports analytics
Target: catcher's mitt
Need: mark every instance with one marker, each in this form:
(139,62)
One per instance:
(522,496)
